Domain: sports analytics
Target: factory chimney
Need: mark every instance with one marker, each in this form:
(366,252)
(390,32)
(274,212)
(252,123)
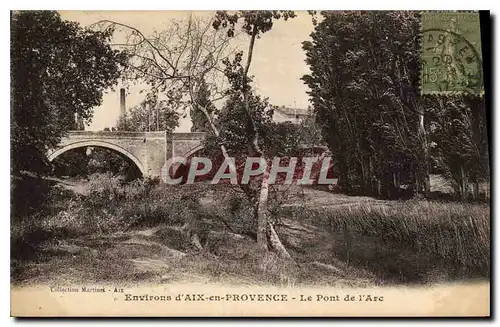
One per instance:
(122,103)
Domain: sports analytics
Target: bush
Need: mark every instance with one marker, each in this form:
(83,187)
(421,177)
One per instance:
(162,204)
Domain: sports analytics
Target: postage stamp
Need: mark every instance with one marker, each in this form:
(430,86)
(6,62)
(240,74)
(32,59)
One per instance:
(451,53)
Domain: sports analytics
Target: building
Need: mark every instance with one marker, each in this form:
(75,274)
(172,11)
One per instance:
(294,115)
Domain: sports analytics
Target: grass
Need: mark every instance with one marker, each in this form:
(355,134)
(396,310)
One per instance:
(144,232)
(410,242)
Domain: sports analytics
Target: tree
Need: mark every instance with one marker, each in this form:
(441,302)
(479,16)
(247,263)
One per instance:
(150,116)
(460,142)
(253,23)
(181,64)
(310,132)
(276,139)
(363,82)
(58,69)
(101,160)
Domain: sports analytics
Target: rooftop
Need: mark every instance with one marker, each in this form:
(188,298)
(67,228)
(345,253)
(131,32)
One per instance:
(292,111)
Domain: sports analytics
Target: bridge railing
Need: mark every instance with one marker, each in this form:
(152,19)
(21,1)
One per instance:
(97,134)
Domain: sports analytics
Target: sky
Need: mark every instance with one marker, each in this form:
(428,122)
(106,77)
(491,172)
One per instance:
(277,63)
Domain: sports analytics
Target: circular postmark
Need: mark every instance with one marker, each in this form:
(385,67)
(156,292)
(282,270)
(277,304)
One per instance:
(450,63)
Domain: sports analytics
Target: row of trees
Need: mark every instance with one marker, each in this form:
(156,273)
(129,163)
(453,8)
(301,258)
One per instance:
(150,115)
(383,134)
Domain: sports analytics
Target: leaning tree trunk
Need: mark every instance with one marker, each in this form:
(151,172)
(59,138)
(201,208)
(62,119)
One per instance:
(262,220)
(263,223)
(276,245)
(264,226)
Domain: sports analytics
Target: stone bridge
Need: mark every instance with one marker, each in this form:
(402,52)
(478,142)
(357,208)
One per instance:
(147,150)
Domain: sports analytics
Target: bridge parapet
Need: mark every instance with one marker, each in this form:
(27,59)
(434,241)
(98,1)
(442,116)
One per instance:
(113,134)
(188,136)
(185,144)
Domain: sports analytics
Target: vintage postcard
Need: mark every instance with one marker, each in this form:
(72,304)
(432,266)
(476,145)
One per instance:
(250,163)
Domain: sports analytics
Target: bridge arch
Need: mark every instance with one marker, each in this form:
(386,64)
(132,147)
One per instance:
(193,151)
(99,144)
(177,167)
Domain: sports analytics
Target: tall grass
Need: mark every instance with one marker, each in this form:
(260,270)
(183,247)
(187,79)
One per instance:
(410,241)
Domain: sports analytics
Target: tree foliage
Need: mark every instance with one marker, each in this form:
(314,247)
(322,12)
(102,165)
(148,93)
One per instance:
(310,131)
(71,163)
(459,142)
(202,99)
(150,116)
(253,22)
(236,134)
(58,69)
